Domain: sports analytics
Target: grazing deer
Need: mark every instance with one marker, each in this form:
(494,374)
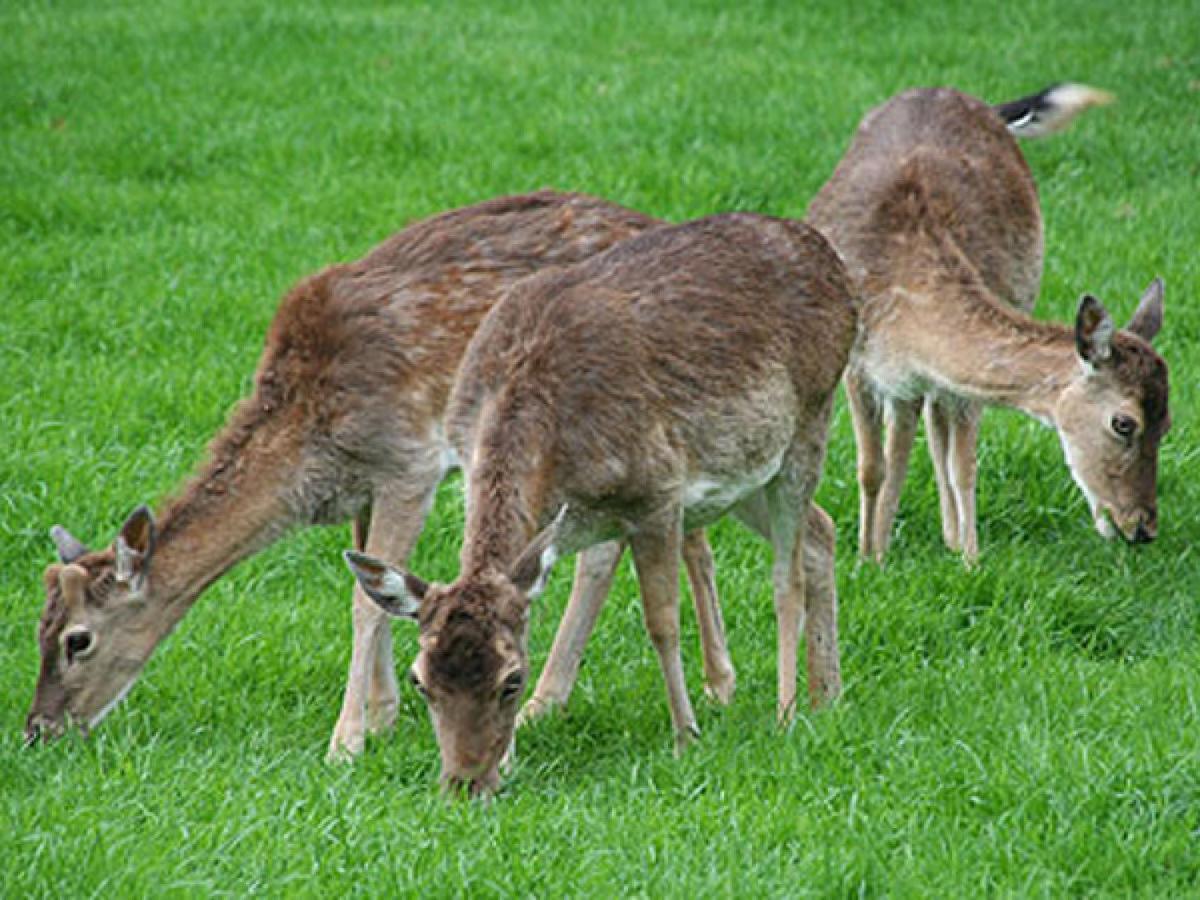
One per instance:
(1048,111)
(345,421)
(935,214)
(642,394)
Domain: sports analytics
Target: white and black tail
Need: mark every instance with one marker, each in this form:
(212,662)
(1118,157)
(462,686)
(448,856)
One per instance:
(1050,110)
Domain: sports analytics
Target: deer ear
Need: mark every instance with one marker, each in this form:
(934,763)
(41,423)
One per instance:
(531,571)
(1148,317)
(70,548)
(1093,331)
(397,593)
(134,546)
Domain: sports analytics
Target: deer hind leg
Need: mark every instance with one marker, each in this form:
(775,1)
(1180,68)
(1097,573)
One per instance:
(901,429)
(788,521)
(964,440)
(820,605)
(594,571)
(867,415)
(371,697)
(656,551)
(719,676)
(938,419)
(820,593)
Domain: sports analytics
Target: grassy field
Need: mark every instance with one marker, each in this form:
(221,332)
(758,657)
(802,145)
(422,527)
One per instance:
(167,169)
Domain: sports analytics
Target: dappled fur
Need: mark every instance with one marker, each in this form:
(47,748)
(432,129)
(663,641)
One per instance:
(393,324)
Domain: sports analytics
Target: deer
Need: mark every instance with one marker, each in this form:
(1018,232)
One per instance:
(346,421)
(988,228)
(935,213)
(687,372)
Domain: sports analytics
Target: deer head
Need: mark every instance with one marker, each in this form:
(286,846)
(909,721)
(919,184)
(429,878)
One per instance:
(472,664)
(1113,415)
(98,628)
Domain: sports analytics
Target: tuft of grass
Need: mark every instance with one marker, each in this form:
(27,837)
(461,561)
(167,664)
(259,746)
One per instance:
(168,169)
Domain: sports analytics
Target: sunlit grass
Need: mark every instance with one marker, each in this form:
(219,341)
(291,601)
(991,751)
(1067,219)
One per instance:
(168,169)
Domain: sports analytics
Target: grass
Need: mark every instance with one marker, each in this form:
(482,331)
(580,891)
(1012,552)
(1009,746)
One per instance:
(168,169)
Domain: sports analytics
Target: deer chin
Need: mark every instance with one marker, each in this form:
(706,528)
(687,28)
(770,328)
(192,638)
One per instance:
(1102,514)
(86,725)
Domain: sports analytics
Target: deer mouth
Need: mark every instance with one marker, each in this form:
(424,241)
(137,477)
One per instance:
(1133,530)
(1138,533)
(43,729)
(478,782)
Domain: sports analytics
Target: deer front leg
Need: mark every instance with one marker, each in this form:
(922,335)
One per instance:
(867,416)
(937,428)
(719,676)
(656,551)
(594,570)
(371,696)
(901,429)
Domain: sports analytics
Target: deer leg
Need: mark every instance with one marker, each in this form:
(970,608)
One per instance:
(371,696)
(964,439)
(656,552)
(867,415)
(820,606)
(937,429)
(594,571)
(719,676)
(788,530)
(902,428)
(820,593)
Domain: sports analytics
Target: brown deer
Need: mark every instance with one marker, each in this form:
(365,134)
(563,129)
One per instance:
(935,214)
(345,422)
(687,372)
(951,127)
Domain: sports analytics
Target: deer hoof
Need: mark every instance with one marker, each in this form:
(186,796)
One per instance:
(720,690)
(685,737)
(344,748)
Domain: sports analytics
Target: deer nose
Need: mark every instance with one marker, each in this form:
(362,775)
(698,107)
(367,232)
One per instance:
(33,730)
(1144,534)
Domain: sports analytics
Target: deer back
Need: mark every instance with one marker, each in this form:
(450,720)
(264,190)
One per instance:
(933,181)
(690,347)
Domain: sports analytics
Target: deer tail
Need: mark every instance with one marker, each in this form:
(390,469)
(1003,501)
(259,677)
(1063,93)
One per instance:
(1050,110)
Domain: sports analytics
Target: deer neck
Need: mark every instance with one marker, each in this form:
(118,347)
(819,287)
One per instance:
(507,491)
(235,506)
(966,341)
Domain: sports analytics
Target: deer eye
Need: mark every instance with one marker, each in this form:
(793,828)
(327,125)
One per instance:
(513,685)
(1124,425)
(79,644)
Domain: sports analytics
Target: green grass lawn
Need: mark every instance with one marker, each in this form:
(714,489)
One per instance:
(168,169)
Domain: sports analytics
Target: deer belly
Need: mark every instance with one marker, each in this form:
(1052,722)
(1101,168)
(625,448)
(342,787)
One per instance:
(708,496)
(892,378)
